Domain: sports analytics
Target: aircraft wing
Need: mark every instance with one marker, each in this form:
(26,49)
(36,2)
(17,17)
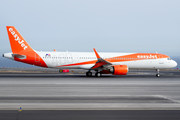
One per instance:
(101,62)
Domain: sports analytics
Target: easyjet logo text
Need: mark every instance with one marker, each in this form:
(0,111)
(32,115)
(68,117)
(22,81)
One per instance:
(147,56)
(21,42)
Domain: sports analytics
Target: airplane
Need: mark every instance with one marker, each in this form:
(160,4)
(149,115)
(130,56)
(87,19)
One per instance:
(101,63)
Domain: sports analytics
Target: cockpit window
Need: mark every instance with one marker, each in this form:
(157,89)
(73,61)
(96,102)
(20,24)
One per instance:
(169,59)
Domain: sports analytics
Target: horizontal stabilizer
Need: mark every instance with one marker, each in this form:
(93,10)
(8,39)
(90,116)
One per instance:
(19,56)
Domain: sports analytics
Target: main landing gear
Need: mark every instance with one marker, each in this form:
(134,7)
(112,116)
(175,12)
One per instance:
(88,74)
(157,75)
(97,74)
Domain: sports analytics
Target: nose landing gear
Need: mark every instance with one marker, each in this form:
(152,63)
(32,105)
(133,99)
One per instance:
(157,75)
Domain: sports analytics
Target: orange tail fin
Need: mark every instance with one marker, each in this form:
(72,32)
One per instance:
(18,44)
(21,50)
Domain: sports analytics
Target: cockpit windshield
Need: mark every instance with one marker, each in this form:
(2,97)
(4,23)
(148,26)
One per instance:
(169,59)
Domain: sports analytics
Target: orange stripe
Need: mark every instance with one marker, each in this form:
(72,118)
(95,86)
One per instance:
(125,58)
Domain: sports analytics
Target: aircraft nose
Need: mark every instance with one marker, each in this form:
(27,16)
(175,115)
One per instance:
(174,63)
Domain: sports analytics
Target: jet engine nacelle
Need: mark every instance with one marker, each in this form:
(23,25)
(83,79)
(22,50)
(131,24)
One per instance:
(119,69)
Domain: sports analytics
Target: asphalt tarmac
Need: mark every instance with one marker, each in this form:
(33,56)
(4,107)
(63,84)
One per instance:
(90,115)
(73,95)
(69,91)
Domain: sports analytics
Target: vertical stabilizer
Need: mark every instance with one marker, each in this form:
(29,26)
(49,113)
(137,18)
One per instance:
(21,50)
(18,43)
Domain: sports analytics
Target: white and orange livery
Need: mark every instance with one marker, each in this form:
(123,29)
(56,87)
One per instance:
(102,63)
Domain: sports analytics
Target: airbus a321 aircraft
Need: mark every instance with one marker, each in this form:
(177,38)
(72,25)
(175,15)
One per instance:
(102,63)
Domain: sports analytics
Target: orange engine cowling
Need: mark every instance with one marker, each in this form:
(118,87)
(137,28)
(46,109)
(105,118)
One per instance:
(119,69)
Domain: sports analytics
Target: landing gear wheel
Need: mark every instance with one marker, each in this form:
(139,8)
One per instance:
(98,74)
(89,74)
(157,75)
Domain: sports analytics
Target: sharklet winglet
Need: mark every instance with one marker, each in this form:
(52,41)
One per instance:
(97,55)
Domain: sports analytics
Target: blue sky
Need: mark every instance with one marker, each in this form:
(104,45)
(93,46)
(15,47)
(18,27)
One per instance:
(81,25)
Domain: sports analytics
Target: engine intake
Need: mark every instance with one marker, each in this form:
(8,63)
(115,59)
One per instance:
(119,69)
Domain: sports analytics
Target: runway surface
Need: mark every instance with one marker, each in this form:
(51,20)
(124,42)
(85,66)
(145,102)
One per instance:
(52,95)
(90,115)
(54,91)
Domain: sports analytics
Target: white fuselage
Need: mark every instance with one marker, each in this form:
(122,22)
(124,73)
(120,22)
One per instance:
(77,60)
